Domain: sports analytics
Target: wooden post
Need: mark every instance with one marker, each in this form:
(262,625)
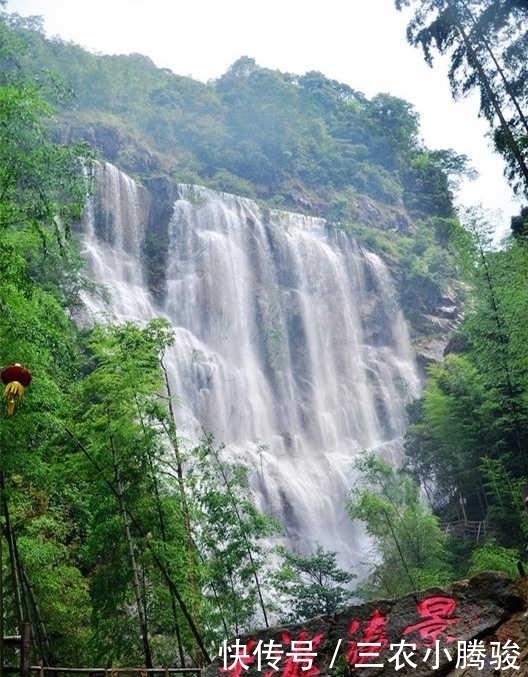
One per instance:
(525,497)
(524,491)
(25,649)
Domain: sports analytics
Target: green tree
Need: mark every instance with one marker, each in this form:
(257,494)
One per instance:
(410,547)
(229,533)
(124,376)
(467,436)
(487,48)
(456,431)
(311,585)
(41,191)
(490,556)
(120,448)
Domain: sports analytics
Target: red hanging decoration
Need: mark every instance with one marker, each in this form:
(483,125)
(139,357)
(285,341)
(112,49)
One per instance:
(15,378)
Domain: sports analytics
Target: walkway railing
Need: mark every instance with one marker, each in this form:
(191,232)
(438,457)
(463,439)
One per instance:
(472,528)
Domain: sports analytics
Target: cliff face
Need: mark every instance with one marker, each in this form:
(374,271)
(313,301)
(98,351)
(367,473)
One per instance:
(432,339)
(477,627)
(289,342)
(302,143)
(433,309)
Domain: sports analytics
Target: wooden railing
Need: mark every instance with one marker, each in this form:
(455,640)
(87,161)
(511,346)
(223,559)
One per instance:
(22,645)
(472,528)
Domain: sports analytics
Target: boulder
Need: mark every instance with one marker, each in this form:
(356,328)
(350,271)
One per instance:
(477,627)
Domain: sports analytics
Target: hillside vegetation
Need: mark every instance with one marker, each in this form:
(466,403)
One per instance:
(254,131)
(298,142)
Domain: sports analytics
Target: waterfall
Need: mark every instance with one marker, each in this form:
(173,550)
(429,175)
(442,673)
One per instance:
(290,345)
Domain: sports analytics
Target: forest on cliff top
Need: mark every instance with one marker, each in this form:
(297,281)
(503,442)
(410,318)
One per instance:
(299,142)
(81,454)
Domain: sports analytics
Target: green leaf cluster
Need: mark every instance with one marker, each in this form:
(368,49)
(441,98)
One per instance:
(487,46)
(297,141)
(467,437)
(41,191)
(229,537)
(311,585)
(410,550)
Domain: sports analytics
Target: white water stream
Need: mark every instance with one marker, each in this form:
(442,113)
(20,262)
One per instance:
(290,345)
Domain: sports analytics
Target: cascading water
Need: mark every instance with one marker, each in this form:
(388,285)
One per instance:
(290,345)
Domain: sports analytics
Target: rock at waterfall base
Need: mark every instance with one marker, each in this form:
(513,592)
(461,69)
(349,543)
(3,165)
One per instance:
(477,627)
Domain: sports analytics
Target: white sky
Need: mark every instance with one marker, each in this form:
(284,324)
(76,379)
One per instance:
(358,42)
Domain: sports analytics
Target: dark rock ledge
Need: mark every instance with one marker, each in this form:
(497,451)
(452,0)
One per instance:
(477,627)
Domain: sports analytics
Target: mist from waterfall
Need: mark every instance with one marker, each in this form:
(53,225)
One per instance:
(290,345)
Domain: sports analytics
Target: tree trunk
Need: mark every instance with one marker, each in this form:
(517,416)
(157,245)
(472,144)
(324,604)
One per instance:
(190,547)
(142,617)
(484,81)
(500,70)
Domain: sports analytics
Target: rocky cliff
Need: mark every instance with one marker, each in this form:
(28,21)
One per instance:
(433,310)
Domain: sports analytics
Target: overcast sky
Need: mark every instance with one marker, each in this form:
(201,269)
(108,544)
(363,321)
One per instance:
(359,42)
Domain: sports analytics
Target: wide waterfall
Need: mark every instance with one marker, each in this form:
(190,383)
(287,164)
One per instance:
(290,345)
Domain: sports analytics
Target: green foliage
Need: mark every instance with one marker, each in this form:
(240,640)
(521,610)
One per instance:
(254,131)
(467,436)
(41,181)
(41,191)
(487,48)
(111,410)
(410,548)
(228,534)
(311,585)
(58,585)
(490,556)
(506,514)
